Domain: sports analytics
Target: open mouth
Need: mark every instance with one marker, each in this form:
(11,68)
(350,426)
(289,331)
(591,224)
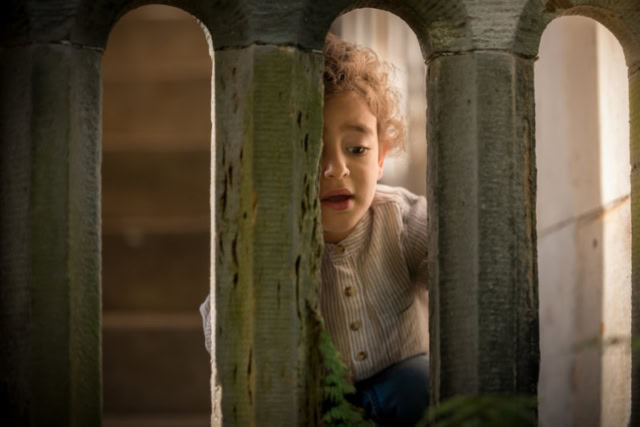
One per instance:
(338,202)
(339,198)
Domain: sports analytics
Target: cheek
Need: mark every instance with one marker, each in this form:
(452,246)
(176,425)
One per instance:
(366,178)
(373,172)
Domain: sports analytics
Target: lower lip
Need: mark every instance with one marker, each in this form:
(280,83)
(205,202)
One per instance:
(338,206)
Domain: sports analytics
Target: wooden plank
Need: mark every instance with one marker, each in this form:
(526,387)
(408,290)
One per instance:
(154,185)
(152,140)
(155,371)
(196,420)
(143,50)
(179,109)
(155,272)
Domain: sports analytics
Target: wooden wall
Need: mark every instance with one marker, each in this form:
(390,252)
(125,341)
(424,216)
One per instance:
(155,218)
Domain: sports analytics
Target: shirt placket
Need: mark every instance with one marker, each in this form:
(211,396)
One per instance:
(353,301)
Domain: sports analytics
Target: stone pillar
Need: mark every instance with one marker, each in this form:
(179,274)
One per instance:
(481,201)
(634,152)
(268,102)
(50,246)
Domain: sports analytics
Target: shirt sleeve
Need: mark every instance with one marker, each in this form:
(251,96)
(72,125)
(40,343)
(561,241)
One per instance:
(415,243)
(205,312)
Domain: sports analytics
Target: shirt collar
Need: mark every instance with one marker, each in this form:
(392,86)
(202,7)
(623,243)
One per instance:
(353,244)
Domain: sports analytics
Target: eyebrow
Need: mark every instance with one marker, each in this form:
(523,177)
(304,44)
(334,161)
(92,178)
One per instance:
(357,127)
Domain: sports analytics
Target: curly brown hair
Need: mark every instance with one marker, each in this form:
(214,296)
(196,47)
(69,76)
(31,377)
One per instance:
(352,68)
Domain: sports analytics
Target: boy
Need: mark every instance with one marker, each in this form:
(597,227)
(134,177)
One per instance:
(374,280)
(374,284)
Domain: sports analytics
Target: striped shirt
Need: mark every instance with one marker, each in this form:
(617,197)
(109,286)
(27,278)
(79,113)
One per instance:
(374,285)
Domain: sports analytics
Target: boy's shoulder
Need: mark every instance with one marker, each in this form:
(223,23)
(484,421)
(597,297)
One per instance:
(398,196)
(408,212)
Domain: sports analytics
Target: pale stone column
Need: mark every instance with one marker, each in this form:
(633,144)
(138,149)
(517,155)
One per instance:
(481,198)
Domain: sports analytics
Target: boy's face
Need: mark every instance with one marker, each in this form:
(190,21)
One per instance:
(352,162)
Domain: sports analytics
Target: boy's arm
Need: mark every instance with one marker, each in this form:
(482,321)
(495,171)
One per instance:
(415,242)
(205,311)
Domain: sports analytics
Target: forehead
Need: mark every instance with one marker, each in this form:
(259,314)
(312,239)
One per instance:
(348,111)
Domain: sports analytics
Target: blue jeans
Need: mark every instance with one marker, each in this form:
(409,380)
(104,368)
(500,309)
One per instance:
(397,396)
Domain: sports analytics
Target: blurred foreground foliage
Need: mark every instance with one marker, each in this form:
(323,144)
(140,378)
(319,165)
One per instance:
(337,411)
(484,411)
(509,410)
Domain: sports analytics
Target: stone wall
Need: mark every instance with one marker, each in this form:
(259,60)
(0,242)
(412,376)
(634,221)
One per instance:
(584,236)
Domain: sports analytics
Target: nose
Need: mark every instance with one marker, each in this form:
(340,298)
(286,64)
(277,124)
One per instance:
(334,166)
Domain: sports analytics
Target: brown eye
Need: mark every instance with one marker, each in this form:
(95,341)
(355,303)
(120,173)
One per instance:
(357,150)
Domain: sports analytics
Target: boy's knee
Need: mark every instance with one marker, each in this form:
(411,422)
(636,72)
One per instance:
(409,400)
(413,375)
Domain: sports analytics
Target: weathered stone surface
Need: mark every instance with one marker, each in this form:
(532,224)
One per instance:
(481,177)
(621,17)
(441,25)
(268,142)
(634,153)
(50,303)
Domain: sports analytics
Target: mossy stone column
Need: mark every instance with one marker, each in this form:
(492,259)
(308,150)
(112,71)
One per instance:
(268,102)
(481,201)
(49,221)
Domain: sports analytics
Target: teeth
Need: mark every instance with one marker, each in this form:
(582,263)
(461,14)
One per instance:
(338,198)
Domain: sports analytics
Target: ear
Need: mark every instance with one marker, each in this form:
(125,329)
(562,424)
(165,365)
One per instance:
(381,155)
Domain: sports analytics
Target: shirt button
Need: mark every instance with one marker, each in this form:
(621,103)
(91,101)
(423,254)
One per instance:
(355,325)
(349,291)
(340,249)
(361,356)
